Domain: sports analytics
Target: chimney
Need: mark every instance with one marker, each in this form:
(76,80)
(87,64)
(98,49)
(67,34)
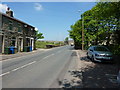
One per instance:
(9,12)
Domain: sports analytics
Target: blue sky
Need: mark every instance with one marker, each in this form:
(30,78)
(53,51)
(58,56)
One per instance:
(53,19)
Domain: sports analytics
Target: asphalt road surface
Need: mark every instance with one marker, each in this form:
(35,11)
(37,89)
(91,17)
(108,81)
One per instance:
(38,70)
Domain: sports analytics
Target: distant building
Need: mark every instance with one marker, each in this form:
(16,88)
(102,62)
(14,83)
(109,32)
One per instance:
(16,33)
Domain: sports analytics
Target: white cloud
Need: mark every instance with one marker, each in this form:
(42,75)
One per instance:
(38,6)
(3,7)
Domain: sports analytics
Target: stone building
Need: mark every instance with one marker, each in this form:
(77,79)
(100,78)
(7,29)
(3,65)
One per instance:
(16,33)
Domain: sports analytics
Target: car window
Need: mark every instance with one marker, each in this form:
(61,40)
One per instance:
(100,49)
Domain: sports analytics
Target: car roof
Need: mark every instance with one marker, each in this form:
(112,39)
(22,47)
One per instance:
(97,46)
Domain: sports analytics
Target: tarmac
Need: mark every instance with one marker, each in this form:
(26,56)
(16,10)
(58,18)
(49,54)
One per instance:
(82,73)
(19,54)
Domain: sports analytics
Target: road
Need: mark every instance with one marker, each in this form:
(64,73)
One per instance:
(38,70)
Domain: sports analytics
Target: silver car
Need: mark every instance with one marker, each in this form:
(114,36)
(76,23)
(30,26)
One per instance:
(99,53)
(118,77)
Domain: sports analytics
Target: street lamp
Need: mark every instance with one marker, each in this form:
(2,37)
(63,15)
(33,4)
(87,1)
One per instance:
(82,17)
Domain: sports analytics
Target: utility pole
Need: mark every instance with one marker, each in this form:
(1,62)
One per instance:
(82,17)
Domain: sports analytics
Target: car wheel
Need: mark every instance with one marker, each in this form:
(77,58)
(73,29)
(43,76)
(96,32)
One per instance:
(118,77)
(92,59)
(88,56)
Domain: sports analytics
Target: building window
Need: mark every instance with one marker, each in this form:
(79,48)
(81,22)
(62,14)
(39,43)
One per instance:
(13,40)
(10,25)
(19,27)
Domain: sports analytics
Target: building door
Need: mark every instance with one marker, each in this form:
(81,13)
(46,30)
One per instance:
(1,43)
(20,45)
(32,43)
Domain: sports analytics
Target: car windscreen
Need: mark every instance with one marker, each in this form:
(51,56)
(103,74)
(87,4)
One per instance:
(100,49)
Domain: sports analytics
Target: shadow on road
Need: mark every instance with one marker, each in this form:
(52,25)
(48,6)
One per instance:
(85,59)
(100,76)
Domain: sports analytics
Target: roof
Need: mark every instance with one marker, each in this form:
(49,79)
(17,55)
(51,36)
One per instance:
(15,19)
(97,46)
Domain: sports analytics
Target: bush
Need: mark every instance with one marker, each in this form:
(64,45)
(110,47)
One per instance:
(115,49)
(46,44)
(42,44)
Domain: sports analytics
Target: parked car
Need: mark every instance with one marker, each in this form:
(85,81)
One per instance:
(72,44)
(100,54)
(118,77)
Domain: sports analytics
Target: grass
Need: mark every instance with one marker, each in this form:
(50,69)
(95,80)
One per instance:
(42,44)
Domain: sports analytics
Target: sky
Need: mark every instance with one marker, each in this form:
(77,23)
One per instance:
(53,19)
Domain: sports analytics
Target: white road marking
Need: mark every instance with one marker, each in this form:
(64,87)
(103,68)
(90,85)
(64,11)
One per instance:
(59,51)
(23,66)
(48,56)
(18,68)
(52,54)
(22,56)
(4,74)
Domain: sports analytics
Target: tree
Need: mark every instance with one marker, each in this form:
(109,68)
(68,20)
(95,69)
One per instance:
(39,35)
(108,10)
(100,23)
(66,40)
(76,34)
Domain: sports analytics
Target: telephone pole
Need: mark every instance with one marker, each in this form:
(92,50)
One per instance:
(82,17)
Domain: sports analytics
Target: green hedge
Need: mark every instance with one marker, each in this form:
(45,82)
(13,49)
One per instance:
(115,49)
(42,44)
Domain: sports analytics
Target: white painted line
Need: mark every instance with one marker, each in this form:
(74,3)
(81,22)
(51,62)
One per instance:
(22,56)
(45,57)
(59,51)
(48,56)
(23,66)
(52,54)
(4,74)
(18,68)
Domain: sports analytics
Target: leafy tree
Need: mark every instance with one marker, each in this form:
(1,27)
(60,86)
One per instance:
(100,24)
(39,35)
(66,40)
(108,10)
(76,33)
